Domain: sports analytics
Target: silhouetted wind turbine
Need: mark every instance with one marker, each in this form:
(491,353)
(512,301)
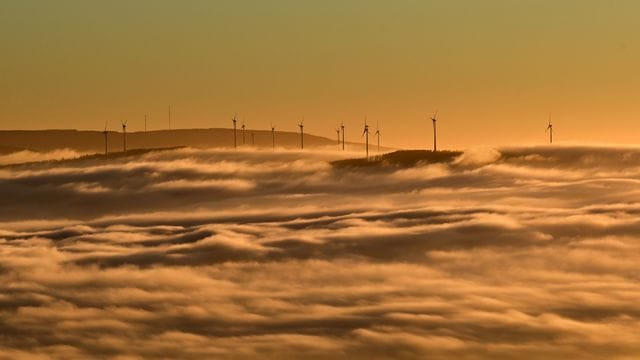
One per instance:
(338,134)
(550,130)
(273,136)
(342,129)
(235,137)
(365,133)
(124,136)
(378,135)
(301,125)
(434,119)
(243,132)
(106,149)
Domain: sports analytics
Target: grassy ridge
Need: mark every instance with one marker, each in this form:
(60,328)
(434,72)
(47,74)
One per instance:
(95,157)
(401,158)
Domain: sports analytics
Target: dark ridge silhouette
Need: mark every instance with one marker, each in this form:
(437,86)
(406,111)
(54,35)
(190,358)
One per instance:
(10,149)
(97,156)
(401,158)
(93,141)
(120,154)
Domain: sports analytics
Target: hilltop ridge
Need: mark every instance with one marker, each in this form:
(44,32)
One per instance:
(400,158)
(93,141)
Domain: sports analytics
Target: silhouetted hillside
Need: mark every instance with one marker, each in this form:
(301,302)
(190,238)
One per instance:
(9,149)
(401,158)
(93,141)
(89,157)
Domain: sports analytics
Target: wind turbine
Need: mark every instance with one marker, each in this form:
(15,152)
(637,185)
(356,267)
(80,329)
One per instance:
(235,137)
(301,125)
(106,149)
(378,135)
(338,134)
(273,136)
(434,119)
(124,136)
(550,130)
(243,132)
(342,129)
(365,133)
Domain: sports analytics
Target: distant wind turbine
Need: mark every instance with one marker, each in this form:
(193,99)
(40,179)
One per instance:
(124,136)
(338,134)
(106,148)
(342,129)
(378,135)
(434,119)
(243,132)
(365,133)
(550,130)
(235,137)
(273,136)
(301,125)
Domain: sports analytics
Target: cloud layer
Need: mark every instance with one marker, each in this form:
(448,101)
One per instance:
(504,254)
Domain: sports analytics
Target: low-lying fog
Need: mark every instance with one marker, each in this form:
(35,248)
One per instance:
(522,253)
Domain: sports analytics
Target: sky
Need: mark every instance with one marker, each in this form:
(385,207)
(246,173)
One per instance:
(494,69)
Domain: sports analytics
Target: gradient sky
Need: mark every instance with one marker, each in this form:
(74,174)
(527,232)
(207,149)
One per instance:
(495,69)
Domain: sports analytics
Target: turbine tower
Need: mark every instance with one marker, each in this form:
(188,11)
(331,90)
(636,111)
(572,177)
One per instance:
(301,125)
(124,136)
(243,132)
(342,129)
(365,133)
(273,136)
(434,119)
(106,149)
(235,137)
(550,130)
(338,134)
(378,135)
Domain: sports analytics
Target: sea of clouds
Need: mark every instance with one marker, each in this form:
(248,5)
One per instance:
(512,253)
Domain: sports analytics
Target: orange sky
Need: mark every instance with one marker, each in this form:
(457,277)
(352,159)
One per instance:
(495,69)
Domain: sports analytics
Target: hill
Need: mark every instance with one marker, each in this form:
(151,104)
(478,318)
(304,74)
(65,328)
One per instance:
(401,158)
(9,149)
(93,141)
